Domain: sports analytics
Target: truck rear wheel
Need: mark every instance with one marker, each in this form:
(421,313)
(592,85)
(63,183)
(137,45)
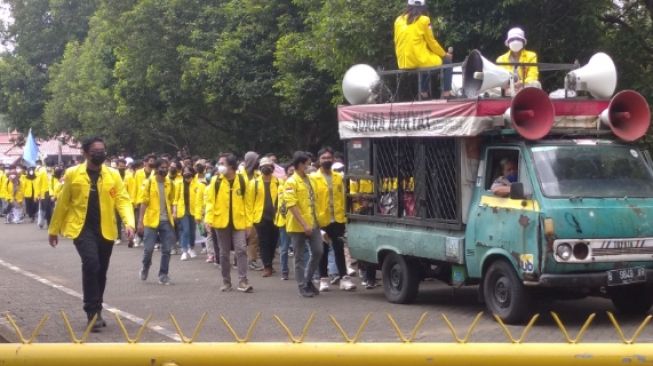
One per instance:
(400,279)
(504,293)
(631,300)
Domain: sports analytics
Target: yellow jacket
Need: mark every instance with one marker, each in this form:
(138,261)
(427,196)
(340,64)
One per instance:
(363,186)
(42,182)
(527,74)
(139,178)
(54,187)
(14,196)
(70,210)
(130,184)
(31,187)
(415,45)
(180,201)
(219,206)
(297,193)
(255,197)
(322,196)
(149,195)
(3,186)
(280,217)
(201,191)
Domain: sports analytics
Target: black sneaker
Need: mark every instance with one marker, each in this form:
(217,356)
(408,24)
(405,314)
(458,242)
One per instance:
(143,274)
(96,327)
(305,291)
(311,287)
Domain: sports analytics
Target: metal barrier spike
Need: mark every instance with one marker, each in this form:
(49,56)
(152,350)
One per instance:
(71,332)
(345,336)
(416,328)
(637,333)
(139,333)
(469,331)
(198,328)
(35,333)
(524,333)
(290,334)
(581,332)
(250,330)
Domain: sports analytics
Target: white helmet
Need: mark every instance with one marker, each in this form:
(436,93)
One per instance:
(417,2)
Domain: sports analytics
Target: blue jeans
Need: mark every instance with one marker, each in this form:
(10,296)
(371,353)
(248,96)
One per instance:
(284,244)
(187,232)
(166,233)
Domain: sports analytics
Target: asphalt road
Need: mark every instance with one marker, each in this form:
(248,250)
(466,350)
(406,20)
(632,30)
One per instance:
(36,280)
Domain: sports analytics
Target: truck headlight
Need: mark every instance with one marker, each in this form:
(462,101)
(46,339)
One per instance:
(564,252)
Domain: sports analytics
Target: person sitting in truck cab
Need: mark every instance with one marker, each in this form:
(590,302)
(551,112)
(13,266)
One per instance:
(501,185)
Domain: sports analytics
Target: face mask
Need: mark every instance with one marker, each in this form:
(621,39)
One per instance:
(200,169)
(97,158)
(162,172)
(19,170)
(114,165)
(173,171)
(222,169)
(326,165)
(267,170)
(152,165)
(512,178)
(516,46)
(207,176)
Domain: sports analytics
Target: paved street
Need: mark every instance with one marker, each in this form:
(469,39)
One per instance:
(36,280)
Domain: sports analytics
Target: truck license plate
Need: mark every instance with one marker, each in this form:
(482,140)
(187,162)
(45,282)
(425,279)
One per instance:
(626,276)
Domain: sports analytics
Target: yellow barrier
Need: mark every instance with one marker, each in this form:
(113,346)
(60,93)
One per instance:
(297,352)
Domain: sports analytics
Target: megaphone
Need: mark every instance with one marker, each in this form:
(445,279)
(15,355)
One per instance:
(359,84)
(479,75)
(598,77)
(531,113)
(628,115)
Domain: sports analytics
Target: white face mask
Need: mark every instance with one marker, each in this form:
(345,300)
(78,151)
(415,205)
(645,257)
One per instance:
(222,169)
(516,46)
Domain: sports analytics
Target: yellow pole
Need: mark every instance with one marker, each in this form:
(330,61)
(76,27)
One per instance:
(325,354)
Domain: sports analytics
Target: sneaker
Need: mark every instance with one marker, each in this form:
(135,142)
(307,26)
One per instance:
(267,272)
(305,291)
(370,285)
(184,256)
(226,287)
(203,251)
(210,259)
(143,274)
(311,286)
(351,272)
(335,280)
(130,244)
(117,242)
(255,266)
(364,283)
(244,286)
(157,246)
(284,277)
(192,253)
(291,252)
(347,284)
(173,251)
(324,284)
(164,280)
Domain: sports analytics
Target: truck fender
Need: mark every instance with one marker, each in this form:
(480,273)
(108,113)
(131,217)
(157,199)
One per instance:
(385,250)
(498,253)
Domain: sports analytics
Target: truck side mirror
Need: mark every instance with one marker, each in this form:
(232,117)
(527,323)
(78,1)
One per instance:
(517,191)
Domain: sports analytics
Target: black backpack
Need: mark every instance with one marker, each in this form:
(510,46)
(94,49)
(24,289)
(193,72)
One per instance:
(241,180)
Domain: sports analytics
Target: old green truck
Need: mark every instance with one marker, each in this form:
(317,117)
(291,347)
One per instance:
(578,220)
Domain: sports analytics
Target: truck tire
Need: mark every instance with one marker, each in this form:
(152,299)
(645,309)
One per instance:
(505,294)
(632,299)
(400,279)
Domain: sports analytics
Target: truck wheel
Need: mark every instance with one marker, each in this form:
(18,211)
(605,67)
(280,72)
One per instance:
(631,300)
(400,279)
(504,293)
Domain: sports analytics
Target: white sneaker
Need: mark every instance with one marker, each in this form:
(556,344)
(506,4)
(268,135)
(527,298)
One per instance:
(184,256)
(347,284)
(192,253)
(173,251)
(117,242)
(203,251)
(324,284)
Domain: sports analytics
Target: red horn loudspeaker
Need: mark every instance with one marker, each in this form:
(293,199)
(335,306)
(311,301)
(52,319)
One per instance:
(628,115)
(531,113)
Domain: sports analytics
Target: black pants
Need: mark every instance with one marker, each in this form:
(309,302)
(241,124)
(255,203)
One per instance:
(95,253)
(31,207)
(47,205)
(335,231)
(268,236)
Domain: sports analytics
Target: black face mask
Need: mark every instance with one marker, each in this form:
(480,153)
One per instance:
(173,171)
(97,158)
(152,166)
(267,170)
(326,165)
(200,169)
(162,172)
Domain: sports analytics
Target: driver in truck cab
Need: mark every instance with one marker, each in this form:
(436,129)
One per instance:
(501,185)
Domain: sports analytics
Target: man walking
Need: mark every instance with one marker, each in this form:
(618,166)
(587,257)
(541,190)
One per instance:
(156,219)
(85,212)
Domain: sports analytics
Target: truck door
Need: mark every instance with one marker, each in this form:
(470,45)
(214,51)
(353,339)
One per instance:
(501,225)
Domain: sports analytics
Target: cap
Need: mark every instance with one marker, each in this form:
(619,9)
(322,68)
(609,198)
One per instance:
(266,161)
(515,33)
(417,2)
(337,166)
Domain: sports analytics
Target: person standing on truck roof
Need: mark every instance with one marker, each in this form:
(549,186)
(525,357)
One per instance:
(501,186)
(302,224)
(416,47)
(524,76)
(330,204)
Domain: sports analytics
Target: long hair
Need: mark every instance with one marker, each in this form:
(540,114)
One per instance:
(414,12)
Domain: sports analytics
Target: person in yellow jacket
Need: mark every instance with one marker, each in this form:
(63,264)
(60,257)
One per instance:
(416,47)
(262,195)
(54,188)
(3,190)
(330,205)
(226,212)
(130,185)
(250,171)
(156,220)
(280,222)
(523,76)
(84,212)
(183,210)
(302,224)
(31,187)
(139,177)
(14,196)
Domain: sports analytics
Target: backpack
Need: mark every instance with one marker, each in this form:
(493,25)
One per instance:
(241,181)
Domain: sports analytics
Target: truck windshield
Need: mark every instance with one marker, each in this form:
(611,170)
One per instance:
(592,171)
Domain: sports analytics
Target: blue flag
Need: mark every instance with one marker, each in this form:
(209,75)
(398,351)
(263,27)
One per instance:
(31,150)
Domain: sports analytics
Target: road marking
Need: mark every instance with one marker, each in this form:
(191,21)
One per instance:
(112,309)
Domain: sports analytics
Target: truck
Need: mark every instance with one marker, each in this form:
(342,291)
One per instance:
(578,220)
